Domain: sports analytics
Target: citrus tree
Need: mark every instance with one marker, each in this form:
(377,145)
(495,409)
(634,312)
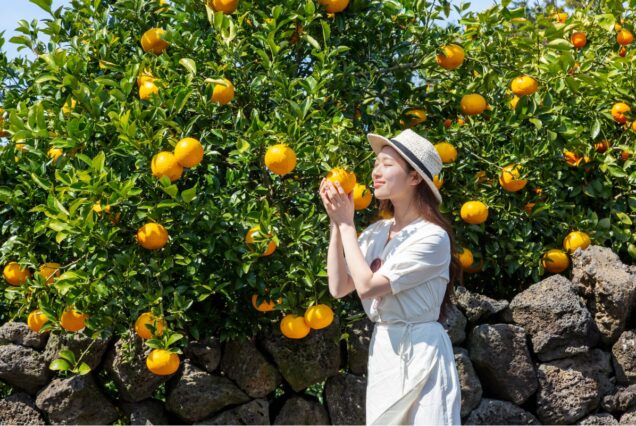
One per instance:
(161,160)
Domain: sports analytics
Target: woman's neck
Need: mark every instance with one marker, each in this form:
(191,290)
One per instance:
(404,213)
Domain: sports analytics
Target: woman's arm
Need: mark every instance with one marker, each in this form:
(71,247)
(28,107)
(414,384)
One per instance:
(340,282)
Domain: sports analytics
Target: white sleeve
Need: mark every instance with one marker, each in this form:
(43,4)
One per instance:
(422,259)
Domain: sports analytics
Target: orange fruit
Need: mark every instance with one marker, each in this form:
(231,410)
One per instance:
(448,123)
(225,6)
(147,318)
(162,362)
(555,261)
(144,76)
(254,233)
(147,89)
(55,153)
(166,164)
(49,271)
(318,316)
(561,17)
(576,239)
(223,94)
(446,151)
(523,85)
(361,197)
(72,320)
(617,27)
(334,6)
(514,101)
(294,326)
(460,121)
(509,178)
(481,176)
(280,159)
(417,116)
(618,112)
(528,207)
(578,39)
(437,181)
(97,208)
(603,145)
(188,152)
(466,258)
(625,155)
(14,275)
(452,57)
(571,158)
(69,106)
(265,306)
(624,37)
(36,320)
(152,236)
(474,212)
(346,178)
(472,104)
(151,41)
(20,147)
(622,52)
(385,214)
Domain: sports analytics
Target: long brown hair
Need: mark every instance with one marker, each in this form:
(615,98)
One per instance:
(428,206)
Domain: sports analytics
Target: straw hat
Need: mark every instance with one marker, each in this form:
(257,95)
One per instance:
(417,151)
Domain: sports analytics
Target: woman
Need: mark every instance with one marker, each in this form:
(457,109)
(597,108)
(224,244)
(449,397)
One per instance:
(403,272)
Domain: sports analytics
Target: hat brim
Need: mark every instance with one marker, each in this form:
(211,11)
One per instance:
(378,142)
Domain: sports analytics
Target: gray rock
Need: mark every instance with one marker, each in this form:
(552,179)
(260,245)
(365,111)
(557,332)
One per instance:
(249,369)
(345,398)
(255,412)
(494,412)
(609,287)
(19,409)
(624,358)
(204,353)
(125,363)
(599,419)
(571,388)
(76,400)
(147,412)
(20,334)
(502,360)
(477,306)
(621,400)
(553,315)
(23,368)
(468,380)
(196,394)
(359,339)
(302,411)
(455,325)
(303,362)
(76,343)
(629,418)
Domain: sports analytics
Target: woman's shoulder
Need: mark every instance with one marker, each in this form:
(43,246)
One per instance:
(426,228)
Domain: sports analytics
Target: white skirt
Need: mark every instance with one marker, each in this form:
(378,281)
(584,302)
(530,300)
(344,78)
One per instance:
(412,377)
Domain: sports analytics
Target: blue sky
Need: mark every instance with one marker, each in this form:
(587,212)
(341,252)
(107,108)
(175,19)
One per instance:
(24,9)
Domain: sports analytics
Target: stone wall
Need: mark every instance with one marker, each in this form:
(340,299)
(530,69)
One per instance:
(561,352)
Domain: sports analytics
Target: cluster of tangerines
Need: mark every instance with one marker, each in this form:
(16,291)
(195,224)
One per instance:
(294,326)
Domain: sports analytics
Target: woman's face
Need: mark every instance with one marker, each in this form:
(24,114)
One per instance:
(391,180)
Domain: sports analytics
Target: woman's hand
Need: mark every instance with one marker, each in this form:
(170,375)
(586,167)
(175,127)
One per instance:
(339,205)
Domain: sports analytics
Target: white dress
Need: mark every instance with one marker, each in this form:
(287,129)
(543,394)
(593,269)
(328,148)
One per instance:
(411,376)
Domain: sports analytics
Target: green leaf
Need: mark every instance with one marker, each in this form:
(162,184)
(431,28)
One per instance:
(624,218)
(174,338)
(84,369)
(560,44)
(67,355)
(312,41)
(171,190)
(189,194)
(44,4)
(59,365)
(596,128)
(189,65)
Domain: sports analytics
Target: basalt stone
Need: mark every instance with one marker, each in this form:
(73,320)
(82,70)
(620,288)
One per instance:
(494,412)
(205,353)
(599,419)
(147,412)
(624,358)
(23,368)
(477,306)
(608,285)
(306,361)
(455,325)
(359,339)
(248,368)
(502,360)
(196,394)
(19,409)
(302,411)
(125,363)
(572,388)
(558,323)
(629,418)
(255,412)
(76,400)
(20,334)
(468,380)
(78,343)
(621,400)
(345,398)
